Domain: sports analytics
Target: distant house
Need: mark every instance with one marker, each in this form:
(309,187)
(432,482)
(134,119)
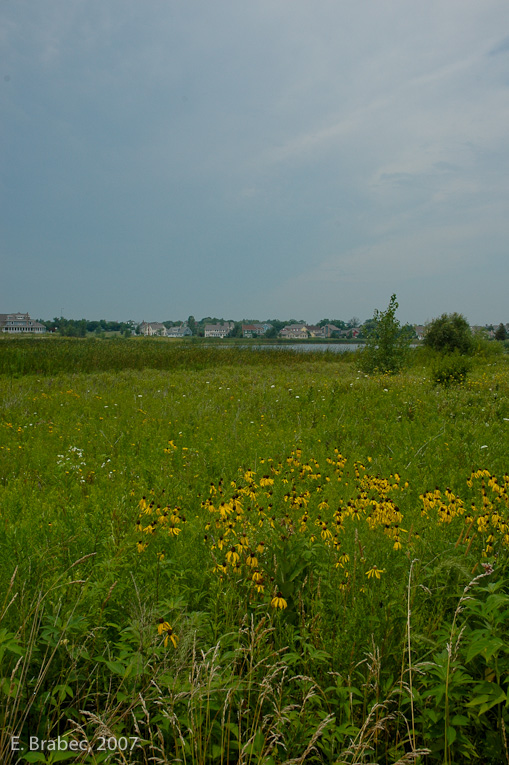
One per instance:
(328,329)
(325,331)
(152,328)
(350,332)
(20,324)
(219,330)
(294,331)
(182,331)
(255,330)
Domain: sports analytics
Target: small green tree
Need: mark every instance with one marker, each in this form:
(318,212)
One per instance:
(387,344)
(449,333)
(237,330)
(501,332)
(191,323)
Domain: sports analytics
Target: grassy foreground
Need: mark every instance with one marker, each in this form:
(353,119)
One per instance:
(250,557)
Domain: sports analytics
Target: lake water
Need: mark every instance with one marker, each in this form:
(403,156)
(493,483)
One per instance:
(332,347)
(303,347)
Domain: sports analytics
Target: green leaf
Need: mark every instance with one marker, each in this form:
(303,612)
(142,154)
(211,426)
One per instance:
(116,667)
(62,691)
(234,728)
(487,646)
(488,695)
(459,720)
(61,756)
(451,735)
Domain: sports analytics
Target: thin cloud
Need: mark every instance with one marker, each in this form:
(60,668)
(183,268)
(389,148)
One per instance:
(502,47)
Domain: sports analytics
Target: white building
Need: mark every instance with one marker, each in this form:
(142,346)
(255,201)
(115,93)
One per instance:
(152,328)
(20,324)
(219,330)
(182,331)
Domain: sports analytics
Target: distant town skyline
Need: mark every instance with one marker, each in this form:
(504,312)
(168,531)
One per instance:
(254,326)
(266,159)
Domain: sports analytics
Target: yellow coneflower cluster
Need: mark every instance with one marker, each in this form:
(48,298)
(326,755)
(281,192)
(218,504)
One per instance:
(446,504)
(157,519)
(248,520)
(295,497)
(486,520)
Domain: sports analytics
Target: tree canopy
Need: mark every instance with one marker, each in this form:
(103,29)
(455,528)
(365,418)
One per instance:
(449,333)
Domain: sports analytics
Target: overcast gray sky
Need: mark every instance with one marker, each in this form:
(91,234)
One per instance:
(254,158)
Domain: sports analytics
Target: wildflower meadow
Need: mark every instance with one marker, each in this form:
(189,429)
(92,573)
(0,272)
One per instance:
(215,556)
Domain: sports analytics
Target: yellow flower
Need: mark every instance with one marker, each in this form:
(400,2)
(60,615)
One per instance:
(375,572)
(141,546)
(279,601)
(164,628)
(232,556)
(252,560)
(344,583)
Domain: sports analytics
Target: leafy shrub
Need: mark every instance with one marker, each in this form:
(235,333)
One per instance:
(484,348)
(449,369)
(387,343)
(449,333)
(501,333)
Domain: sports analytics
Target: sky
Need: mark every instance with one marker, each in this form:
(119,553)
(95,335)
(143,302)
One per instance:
(254,159)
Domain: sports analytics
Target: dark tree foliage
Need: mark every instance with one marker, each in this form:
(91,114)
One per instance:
(80,327)
(501,332)
(449,333)
(237,330)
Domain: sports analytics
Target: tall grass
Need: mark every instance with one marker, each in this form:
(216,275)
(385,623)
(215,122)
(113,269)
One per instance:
(52,355)
(378,500)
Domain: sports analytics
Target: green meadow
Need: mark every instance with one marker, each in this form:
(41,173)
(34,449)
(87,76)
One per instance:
(223,555)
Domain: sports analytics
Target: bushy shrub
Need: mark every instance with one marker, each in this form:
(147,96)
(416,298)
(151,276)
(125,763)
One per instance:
(449,333)
(501,333)
(449,369)
(484,348)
